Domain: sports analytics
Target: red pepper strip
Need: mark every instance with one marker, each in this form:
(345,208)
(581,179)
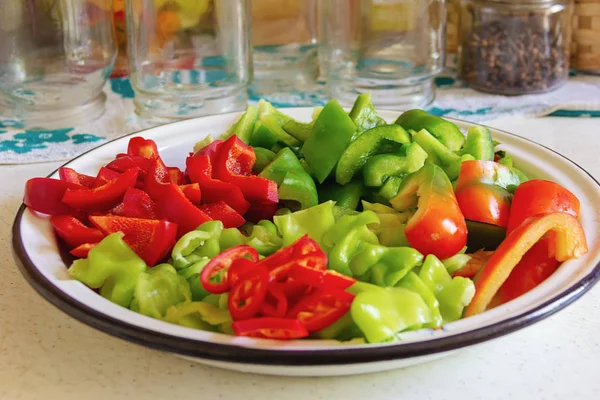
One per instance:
(322,308)
(234,165)
(104,176)
(222,212)
(270,328)
(193,193)
(275,303)
(45,195)
(119,155)
(125,163)
(157,179)
(138,146)
(569,240)
(72,176)
(136,204)
(199,171)
(175,207)
(328,279)
(83,250)
(304,251)
(247,296)
(150,239)
(214,276)
(103,197)
(258,212)
(73,231)
(176,176)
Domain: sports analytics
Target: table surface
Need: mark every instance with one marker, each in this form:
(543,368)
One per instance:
(46,354)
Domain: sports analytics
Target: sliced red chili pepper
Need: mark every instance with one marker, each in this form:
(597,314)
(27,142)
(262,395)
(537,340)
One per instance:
(214,275)
(247,296)
(199,171)
(234,163)
(176,176)
(275,303)
(193,193)
(73,232)
(175,207)
(157,179)
(136,204)
(104,176)
(322,279)
(102,197)
(72,176)
(322,308)
(126,163)
(258,212)
(45,195)
(238,269)
(270,328)
(222,212)
(150,239)
(336,280)
(304,251)
(138,146)
(83,250)
(293,290)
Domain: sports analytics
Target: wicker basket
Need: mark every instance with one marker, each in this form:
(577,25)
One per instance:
(585,47)
(452,26)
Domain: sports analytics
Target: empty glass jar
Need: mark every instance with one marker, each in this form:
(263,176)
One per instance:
(515,47)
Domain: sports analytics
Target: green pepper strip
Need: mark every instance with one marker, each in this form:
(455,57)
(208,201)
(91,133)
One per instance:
(444,131)
(345,196)
(314,221)
(381,139)
(244,127)
(382,166)
(364,115)
(479,144)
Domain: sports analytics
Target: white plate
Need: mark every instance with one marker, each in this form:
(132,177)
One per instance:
(41,262)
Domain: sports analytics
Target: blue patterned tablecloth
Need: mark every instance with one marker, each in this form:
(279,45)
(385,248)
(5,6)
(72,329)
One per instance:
(579,97)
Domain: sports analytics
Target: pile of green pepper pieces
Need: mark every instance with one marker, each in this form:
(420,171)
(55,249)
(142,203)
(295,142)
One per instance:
(352,183)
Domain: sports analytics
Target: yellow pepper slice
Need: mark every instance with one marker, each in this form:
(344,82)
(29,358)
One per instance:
(570,242)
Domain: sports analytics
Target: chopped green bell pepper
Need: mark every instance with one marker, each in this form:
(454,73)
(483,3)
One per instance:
(381,139)
(332,132)
(364,115)
(412,282)
(198,315)
(203,143)
(267,133)
(440,155)
(197,244)
(388,265)
(192,276)
(112,267)
(231,237)
(265,238)
(479,144)
(390,231)
(380,167)
(293,181)
(382,313)
(314,221)
(345,196)
(454,294)
(244,127)
(343,329)
(158,289)
(263,158)
(390,188)
(445,131)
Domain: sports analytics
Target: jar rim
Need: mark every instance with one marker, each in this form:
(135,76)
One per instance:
(524,2)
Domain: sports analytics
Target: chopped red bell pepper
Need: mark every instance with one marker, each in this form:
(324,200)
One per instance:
(136,204)
(104,176)
(83,250)
(150,239)
(258,212)
(199,171)
(175,207)
(45,195)
(140,147)
(222,212)
(72,176)
(103,197)
(193,193)
(157,179)
(569,241)
(73,232)
(176,176)
(128,162)
(214,276)
(234,165)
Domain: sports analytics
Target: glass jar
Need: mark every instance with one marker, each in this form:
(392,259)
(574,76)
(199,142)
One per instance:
(515,47)
(389,48)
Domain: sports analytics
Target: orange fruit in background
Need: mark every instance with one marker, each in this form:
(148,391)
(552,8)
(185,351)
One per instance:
(167,23)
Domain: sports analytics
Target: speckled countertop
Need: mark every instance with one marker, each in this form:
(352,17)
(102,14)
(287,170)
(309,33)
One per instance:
(44,354)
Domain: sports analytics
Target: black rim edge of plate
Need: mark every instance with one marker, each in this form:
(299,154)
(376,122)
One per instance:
(324,357)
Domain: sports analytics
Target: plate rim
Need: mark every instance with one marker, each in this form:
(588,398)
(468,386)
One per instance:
(247,355)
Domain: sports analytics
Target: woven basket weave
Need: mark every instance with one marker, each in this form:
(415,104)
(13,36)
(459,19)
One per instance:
(585,47)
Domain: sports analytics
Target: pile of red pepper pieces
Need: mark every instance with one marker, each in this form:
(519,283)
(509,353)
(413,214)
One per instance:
(150,203)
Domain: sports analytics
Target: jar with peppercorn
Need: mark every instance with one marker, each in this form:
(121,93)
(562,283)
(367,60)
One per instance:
(515,47)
